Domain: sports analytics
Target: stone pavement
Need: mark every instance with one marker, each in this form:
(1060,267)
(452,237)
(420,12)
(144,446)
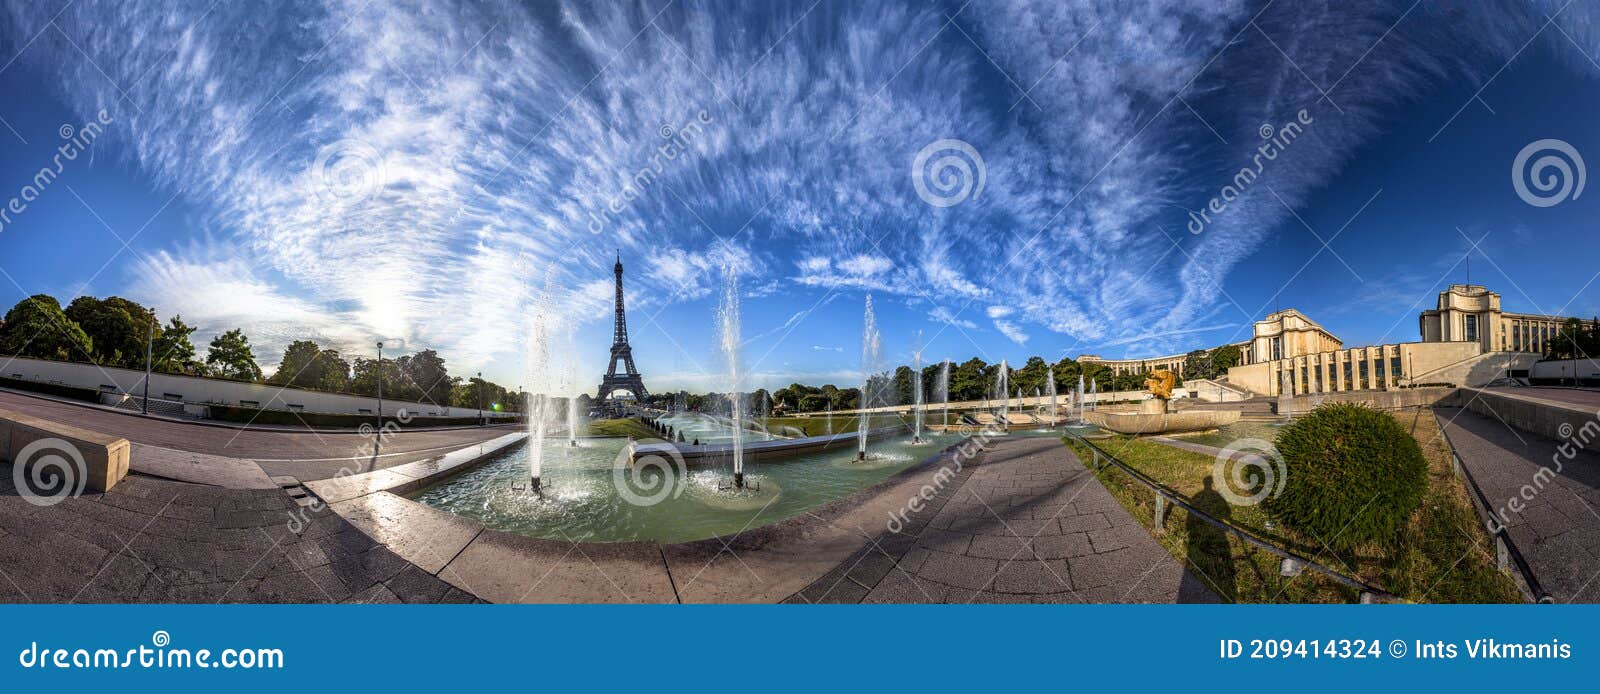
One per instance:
(155,540)
(1026,522)
(1558,528)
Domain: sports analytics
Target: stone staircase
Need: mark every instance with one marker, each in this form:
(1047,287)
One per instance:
(1257,409)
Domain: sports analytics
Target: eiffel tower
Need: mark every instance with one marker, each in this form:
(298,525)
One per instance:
(629,380)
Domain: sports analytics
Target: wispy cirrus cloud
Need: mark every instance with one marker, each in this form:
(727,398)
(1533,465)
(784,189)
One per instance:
(418,169)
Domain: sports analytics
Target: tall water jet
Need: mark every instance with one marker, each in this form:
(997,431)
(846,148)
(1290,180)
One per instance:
(1094,393)
(1050,389)
(944,392)
(540,378)
(1003,384)
(871,348)
(916,384)
(830,417)
(570,377)
(1079,397)
(728,322)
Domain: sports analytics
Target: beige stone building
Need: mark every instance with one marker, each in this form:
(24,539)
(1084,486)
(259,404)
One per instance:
(1466,340)
(1471,313)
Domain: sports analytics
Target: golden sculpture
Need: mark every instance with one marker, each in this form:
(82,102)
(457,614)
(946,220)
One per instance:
(1160,383)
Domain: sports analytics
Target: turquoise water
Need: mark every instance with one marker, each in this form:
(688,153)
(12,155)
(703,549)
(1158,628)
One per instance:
(591,494)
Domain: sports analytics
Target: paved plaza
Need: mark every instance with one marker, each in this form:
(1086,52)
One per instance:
(1557,526)
(1023,522)
(152,540)
(1027,523)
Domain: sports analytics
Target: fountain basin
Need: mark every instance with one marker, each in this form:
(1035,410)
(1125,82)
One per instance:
(1162,423)
(722,453)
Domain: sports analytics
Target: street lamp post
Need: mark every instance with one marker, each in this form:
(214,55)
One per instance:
(481,421)
(149,351)
(377,439)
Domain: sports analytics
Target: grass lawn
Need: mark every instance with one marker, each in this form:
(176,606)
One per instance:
(1223,436)
(620,427)
(1444,554)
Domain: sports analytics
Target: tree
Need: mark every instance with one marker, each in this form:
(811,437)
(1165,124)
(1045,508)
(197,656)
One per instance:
(37,327)
(117,327)
(296,368)
(427,373)
(1067,371)
(172,353)
(1031,377)
(230,357)
(1198,365)
(899,392)
(335,372)
(970,380)
(1224,358)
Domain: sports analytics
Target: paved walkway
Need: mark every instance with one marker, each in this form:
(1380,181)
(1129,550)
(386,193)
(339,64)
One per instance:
(1026,523)
(153,540)
(1558,528)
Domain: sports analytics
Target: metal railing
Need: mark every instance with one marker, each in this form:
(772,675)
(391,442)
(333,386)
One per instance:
(1165,497)
(1506,554)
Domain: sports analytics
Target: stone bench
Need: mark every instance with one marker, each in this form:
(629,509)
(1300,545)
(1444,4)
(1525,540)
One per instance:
(103,458)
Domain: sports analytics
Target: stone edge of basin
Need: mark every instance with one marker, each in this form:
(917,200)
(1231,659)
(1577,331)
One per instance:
(407,478)
(337,493)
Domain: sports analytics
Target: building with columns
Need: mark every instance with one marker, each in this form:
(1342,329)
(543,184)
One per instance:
(1466,340)
(1471,313)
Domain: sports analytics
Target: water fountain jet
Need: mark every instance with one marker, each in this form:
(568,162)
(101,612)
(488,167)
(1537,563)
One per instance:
(728,321)
(871,348)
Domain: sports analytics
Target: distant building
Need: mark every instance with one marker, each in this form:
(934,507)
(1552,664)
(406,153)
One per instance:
(1471,313)
(1466,340)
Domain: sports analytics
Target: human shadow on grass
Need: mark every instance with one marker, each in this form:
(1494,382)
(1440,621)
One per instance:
(1207,547)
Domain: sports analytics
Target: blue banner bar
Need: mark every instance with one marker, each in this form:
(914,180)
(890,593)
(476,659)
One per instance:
(967,648)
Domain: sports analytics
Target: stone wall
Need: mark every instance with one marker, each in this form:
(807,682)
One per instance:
(1381,399)
(193,390)
(1562,422)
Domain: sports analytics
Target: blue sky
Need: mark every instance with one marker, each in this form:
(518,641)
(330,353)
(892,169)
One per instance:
(423,171)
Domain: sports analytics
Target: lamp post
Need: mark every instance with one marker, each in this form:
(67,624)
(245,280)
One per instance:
(481,421)
(377,439)
(149,350)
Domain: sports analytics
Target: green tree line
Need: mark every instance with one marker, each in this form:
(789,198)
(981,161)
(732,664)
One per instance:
(114,332)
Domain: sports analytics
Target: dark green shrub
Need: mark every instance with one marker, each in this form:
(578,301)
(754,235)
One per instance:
(1352,475)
